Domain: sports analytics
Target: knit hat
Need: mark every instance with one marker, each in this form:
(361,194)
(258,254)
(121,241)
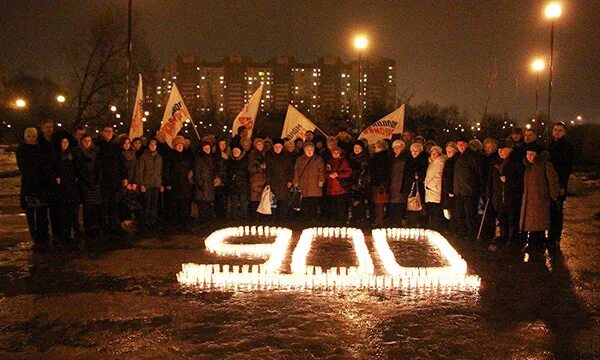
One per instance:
(398,143)
(452,144)
(436,148)
(360,143)
(204,143)
(278,141)
(309,144)
(506,143)
(535,147)
(177,140)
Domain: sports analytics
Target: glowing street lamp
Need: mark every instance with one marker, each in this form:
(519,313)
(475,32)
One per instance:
(61,98)
(537,66)
(20,103)
(360,44)
(552,12)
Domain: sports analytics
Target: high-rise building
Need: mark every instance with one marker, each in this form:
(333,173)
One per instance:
(320,89)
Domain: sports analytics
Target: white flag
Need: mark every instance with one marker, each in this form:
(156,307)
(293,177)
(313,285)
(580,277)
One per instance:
(247,117)
(176,113)
(385,127)
(296,125)
(136,129)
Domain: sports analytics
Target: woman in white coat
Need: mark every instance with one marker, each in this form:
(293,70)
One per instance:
(433,188)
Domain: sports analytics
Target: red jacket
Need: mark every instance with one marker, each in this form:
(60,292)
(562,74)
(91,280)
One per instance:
(343,170)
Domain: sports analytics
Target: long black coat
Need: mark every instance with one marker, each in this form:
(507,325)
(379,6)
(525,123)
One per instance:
(506,196)
(562,153)
(236,176)
(68,189)
(33,181)
(176,171)
(280,171)
(89,174)
(415,167)
(113,165)
(360,173)
(448,183)
(379,168)
(204,177)
(397,178)
(467,174)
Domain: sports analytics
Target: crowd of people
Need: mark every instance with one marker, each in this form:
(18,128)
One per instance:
(508,191)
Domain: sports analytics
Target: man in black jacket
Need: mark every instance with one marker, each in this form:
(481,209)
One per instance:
(114,177)
(467,188)
(562,152)
(280,173)
(505,188)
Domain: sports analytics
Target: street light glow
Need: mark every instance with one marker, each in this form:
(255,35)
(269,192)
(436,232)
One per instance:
(538,65)
(361,42)
(553,11)
(20,103)
(61,98)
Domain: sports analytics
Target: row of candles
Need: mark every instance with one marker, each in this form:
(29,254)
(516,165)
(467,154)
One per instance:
(268,275)
(245,276)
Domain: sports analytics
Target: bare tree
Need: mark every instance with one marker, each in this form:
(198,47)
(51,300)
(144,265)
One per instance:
(99,64)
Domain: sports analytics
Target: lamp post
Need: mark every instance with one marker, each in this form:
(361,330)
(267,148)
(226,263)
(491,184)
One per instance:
(360,43)
(129,8)
(537,66)
(552,12)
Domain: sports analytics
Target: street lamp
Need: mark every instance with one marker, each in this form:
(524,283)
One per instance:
(537,66)
(552,12)
(360,44)
(61,98)
(20,103)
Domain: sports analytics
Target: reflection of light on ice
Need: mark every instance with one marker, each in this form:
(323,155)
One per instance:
(268,275)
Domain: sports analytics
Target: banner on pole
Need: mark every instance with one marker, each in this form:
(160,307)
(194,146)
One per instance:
(385,127)
(176,113)
(296,125)
(247,117)
(136,128)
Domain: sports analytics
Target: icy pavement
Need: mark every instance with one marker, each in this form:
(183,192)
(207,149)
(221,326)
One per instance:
(125,302)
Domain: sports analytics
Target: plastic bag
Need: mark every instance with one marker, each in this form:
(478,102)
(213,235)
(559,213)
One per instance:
(264,207)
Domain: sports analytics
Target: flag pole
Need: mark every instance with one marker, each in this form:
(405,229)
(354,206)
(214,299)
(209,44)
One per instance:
(195,130)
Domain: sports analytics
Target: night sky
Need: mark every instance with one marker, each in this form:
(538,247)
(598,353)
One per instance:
(445,50)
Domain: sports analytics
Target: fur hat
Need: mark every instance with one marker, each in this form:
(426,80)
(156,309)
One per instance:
(177,140)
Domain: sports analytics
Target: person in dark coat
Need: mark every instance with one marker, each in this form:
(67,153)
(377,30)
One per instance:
(89,174)
(309,177)
(397,205)
(151,181)
(414,174)
(562,153)
(505,189)
(361,190)
(448,184)
(280,173)
(516,135)
(205,178)
(238,184)
(237,139)
(130,199)
(177,182)
(344,141)
(114,177)
(379,168)
(467,189)
(34,189)
(49,146)
(338,183)
(68,193)
(540,189)
(489,159)
(257,168)
(222,153)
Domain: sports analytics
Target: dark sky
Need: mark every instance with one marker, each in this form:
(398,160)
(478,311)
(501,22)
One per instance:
(444,49)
